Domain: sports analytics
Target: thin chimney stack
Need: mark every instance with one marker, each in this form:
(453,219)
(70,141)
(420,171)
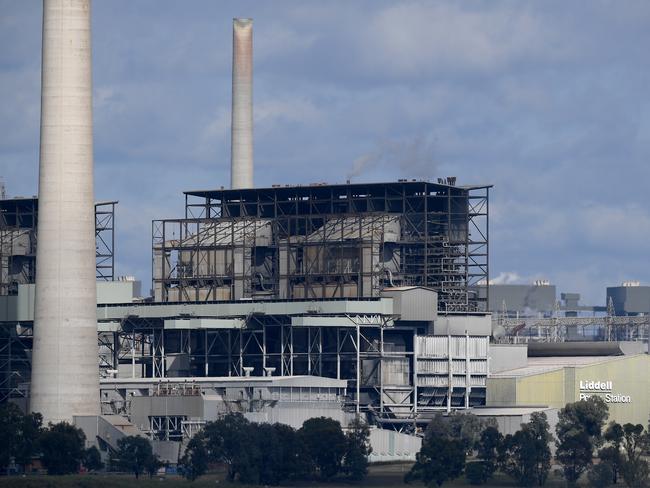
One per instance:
(241,169)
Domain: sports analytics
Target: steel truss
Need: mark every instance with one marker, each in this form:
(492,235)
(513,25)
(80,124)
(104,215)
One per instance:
(15,361)
(105,240)
(270,345)
(18,239)
(560,329)
(319,242)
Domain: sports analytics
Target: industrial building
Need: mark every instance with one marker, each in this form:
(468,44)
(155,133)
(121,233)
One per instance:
(537,298)
(281,303)
(551,375)
(629,299)
(325,241)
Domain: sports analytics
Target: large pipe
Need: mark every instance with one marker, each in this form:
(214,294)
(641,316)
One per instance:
(65,371)
(241,156)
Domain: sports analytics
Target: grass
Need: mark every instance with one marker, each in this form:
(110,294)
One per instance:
(380,476)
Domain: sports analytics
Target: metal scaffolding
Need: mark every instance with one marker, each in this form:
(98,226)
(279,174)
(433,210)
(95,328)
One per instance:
(18,238)
(325,241)
(105,240)
(17,243)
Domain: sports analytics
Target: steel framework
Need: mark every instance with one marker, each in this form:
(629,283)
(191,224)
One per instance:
(559,329)
(325,241)
(105,240)
(17,243)
(18,239)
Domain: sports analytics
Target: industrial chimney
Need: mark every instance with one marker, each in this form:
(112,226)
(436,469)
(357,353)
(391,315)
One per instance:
(65,372)
(241,156)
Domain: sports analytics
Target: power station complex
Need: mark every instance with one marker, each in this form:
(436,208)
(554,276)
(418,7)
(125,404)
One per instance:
(282,303)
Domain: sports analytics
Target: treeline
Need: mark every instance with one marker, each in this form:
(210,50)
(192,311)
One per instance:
(463,444)
(271,454)
(60,447)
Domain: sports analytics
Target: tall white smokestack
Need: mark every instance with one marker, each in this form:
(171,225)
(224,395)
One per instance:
(241,156)
(65,372)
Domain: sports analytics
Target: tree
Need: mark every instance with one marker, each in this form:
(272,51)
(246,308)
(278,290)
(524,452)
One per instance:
(465,427)
(478,472)
(611,454)
(525,456)
(488,450)
(578,432)
(92,459)
(152,465)
(600,475)
(440,459)
(635,470)
(325,443)
(62,446)
(574,453)
(295,463)
(194,462)
(269,464)
(231,440)
(355,461)
(20,434)
(134,454)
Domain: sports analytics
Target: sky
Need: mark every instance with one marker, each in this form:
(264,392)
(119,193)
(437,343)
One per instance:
(546,100)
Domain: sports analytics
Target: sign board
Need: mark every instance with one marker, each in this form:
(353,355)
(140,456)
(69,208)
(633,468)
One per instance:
(604,389)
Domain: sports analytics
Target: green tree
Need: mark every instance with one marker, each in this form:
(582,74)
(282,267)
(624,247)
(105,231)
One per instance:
(194,462)
(635,470)
(478,472)
(152,465)
(600,475)
(440,459)
(325,443)
(62,446)
(574,453)
(611,453)
(579,431)
(355,461)
(296,463)
(465,427)
(134,454)
(92,459)
(270,463)
(487,447)
(231,440)
(20,434)
(526,456)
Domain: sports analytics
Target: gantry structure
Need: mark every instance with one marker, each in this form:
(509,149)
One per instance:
(18,240)
(326,241)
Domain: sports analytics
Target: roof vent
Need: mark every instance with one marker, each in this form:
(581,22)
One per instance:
(631,283)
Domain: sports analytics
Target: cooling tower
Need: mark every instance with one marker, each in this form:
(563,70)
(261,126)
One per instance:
(241,157)
(65,374)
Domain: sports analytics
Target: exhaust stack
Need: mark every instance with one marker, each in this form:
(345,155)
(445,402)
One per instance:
(241,156)
(65,371)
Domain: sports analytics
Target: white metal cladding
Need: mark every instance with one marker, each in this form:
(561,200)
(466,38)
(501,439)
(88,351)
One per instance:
(456,381)
(388,445)
(477,380)
(439,346)
(441,366)
(395,371)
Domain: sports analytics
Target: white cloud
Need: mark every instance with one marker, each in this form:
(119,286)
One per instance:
(417,38)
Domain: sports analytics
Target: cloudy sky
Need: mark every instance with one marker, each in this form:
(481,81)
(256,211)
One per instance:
(546,100)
